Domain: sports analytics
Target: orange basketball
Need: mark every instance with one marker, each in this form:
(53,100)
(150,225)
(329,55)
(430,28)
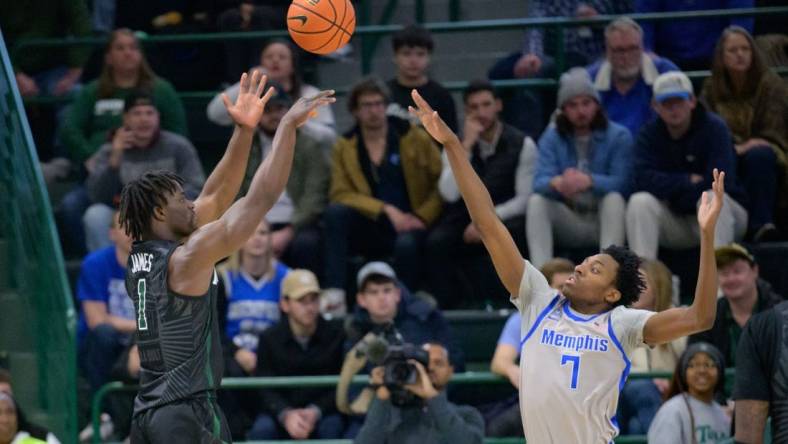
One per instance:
(321,26)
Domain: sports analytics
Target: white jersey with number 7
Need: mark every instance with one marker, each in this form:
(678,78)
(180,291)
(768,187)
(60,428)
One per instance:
(572,366)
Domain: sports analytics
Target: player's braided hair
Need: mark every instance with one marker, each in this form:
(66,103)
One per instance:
(139,198)
(629,282)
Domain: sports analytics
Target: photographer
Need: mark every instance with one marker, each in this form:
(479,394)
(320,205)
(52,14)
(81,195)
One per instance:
(432,419)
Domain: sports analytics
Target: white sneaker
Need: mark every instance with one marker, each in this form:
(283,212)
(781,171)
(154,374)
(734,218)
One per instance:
(105,429)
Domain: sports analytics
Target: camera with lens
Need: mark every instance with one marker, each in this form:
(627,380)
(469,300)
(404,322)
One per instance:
(390,351)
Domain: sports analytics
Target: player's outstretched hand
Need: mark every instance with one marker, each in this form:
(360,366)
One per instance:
(306,107)
(711,204)
(249,106)
(430,119)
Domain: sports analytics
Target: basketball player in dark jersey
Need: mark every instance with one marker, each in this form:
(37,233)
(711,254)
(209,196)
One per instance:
(170,274)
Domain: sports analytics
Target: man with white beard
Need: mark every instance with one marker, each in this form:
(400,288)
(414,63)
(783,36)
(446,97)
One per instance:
(625,75)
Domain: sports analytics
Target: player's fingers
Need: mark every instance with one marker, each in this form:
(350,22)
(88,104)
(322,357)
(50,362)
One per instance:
(226,100)
(244,83)
(268,95)
(261,86)
(420,102)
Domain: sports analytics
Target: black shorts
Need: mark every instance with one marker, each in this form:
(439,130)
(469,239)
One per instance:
(196,420)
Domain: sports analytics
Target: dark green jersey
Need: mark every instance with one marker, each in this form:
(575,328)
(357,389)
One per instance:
(178,336)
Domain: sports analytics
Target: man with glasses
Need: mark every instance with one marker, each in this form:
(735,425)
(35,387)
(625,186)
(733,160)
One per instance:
(625,75)
(384,191)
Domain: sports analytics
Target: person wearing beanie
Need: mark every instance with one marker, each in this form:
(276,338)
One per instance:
(582,174)
(674,159)
(691,415)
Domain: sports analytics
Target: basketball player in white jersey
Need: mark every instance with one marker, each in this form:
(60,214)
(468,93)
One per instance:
(574,355)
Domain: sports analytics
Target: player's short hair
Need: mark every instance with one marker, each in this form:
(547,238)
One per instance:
(367,85)
(629,282)
(413,36)
(139,198)
(477,86)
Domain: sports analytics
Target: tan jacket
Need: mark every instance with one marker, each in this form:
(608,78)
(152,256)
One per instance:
(421,167)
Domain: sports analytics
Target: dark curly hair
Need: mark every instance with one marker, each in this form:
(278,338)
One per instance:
(629,282)
(141,196)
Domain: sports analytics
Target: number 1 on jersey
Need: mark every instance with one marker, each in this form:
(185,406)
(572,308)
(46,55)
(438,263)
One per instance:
(575,360)
(142,321)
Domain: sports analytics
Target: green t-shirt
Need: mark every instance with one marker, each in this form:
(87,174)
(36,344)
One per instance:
(90,118)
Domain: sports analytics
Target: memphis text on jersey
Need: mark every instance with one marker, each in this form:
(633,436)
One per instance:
(571,342)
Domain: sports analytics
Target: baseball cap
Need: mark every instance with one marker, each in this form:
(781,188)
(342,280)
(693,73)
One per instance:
(137,98)
(729,253)
(374,268)
(672,84)
(299,283)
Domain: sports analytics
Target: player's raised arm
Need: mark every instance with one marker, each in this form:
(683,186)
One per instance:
(218,239)
(674,323)
(224,182)
(499,243)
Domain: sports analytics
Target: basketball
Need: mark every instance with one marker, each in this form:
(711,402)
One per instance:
(321,26)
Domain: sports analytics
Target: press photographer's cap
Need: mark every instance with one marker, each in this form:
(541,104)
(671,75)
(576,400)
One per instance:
(299,283)
(672,84)
(374,268)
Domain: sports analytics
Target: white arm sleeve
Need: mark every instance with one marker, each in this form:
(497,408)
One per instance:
(447,185)
(523,183)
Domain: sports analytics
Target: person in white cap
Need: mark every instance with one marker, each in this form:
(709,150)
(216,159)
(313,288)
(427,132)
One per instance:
(674,159)
(582,175)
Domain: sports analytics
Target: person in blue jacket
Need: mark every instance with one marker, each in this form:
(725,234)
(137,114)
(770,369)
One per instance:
(674,159)
(582,175)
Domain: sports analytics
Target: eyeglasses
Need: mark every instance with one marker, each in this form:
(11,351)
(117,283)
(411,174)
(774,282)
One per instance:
(625,50)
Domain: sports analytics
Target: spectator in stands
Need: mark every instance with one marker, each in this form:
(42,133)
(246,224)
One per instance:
(505,420)
(433,420)
(252,280)
(505,160)
(97,111)
(753,101)
(14,429)
(582,45)
(688,43)
(139,145)
(384,189)
(279,61)
(690,413)
(382,300)
(52,71)
(761,370)
(674,159)
(248,304)
(302,344)
(40,434)
(294,217)
(249,15)
(582,175)
(413,47)
(641,398)
(744,294)
(625,75)
(107,316)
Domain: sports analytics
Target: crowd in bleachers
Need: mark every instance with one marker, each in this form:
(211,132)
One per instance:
(371,228)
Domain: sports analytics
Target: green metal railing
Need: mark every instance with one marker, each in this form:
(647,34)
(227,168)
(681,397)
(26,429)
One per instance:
(375,31)
(466,378)
(37,318)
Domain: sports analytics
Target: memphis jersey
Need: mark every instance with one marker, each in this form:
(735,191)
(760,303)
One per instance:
(177,336)
(572,366)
